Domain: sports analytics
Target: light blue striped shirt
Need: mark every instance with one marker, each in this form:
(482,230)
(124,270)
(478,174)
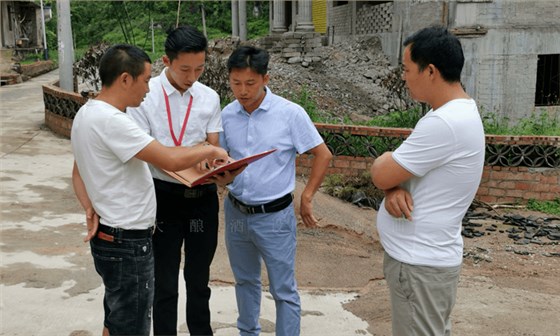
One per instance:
(276,123)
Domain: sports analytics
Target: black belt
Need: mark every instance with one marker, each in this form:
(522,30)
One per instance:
(109,233)
(183,190)
(272,206)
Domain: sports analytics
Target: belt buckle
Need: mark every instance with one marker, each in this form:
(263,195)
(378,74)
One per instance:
(246,209)
(242,207)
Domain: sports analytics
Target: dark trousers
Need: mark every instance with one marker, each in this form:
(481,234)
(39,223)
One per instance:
(192,222)
(126,266)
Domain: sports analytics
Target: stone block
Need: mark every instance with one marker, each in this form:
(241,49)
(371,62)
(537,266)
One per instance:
(293,60)
(291,54)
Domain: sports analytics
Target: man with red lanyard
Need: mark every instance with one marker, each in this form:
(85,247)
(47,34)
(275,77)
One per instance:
(180,111)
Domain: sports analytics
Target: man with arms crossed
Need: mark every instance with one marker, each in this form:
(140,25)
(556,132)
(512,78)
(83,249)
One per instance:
(429,183)
(259,212)
(180,111)
(113,183)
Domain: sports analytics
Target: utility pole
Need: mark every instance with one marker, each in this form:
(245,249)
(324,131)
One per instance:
(242,20)
(45,49)
(65,46)
(234,18)
(152,27)
(203,13)
(178,13)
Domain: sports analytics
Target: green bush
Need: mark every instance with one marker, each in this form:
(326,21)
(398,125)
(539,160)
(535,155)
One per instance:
(541,123)
(549,207)
(402,119)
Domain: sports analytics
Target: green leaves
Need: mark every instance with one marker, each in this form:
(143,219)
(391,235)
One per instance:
(550,207)
(541,123)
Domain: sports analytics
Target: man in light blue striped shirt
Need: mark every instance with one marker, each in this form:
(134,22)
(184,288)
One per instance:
(259,212)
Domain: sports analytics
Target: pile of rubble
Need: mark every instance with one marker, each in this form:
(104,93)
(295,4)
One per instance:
(353,80)
(539,231)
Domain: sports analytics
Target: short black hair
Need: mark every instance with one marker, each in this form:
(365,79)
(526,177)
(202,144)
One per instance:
(121,58)
(184,39)
(249,57)
(436,45)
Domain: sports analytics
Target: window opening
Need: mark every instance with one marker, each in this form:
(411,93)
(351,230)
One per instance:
(548,80)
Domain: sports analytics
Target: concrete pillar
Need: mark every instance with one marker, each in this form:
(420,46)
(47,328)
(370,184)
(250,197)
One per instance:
(353,20)
(65,46)
(279,19)
(234,18)
(243,20)
(305,18)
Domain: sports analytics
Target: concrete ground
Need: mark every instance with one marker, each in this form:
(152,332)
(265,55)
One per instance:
(48,285)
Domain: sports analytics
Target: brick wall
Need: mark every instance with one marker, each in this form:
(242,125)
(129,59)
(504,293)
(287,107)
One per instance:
(37,68)
(60,108)
(58,124)
(518,184)
(498,184)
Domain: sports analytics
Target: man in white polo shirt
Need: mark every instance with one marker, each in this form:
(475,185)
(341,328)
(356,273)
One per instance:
(113,183)
(429,183)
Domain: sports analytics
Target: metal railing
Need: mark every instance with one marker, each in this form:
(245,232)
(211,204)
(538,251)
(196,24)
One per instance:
(362,141)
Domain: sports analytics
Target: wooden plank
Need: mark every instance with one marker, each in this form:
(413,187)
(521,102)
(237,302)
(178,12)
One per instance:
(462,31)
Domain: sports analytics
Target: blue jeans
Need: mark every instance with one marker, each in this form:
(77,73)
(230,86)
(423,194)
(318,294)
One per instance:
(272,238)
(127,269)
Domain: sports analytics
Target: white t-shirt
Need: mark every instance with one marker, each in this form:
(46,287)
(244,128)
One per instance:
(204,116)
(105,141)
(445,153)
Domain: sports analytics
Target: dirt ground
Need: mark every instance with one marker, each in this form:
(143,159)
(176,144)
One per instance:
(500,292)
(505,288)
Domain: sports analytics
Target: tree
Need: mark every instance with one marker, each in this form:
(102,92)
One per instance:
(128,21)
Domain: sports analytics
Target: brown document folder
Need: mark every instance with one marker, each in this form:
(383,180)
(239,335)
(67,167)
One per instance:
(193,176)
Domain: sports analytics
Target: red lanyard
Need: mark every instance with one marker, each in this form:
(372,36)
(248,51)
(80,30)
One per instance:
(177,142)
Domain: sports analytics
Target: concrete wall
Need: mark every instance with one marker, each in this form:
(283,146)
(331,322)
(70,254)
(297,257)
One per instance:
(340,21)
(500,58)
(320,19)
(6,35)
(32,24)
(501,64)
(373,18)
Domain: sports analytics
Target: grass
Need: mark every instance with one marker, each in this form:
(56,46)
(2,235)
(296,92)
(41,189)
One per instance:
(537,123)
(400,119)
(549,207)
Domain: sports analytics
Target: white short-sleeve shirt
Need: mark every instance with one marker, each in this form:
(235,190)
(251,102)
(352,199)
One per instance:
(204,117)
(105,141)
(445,153)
